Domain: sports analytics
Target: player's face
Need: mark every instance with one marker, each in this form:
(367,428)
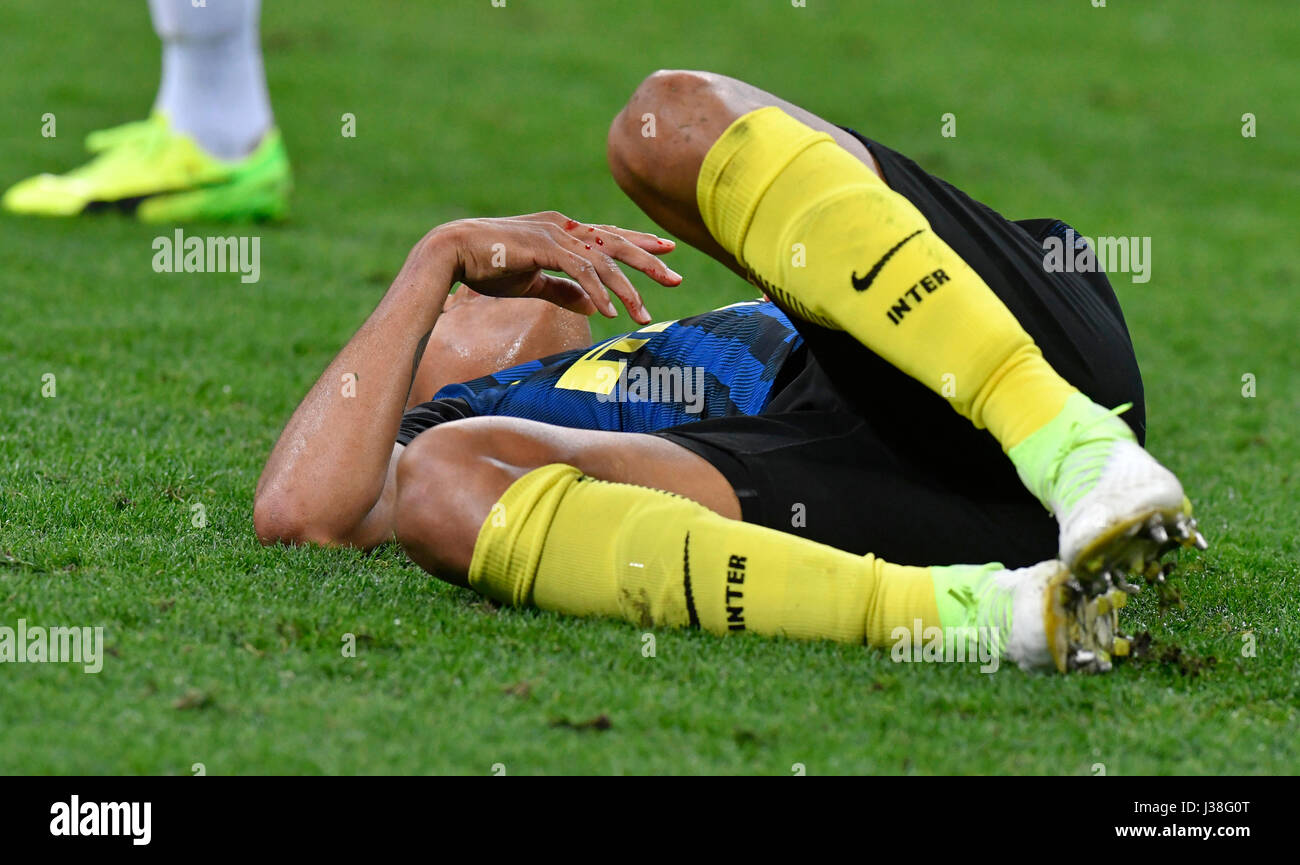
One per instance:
(477,335)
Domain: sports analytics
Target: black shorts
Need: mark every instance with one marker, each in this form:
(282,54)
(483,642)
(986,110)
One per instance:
(856,454)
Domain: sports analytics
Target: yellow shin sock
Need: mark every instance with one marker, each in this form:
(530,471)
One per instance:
(832,243)
(566,542)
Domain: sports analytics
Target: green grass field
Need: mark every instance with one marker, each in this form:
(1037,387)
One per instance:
(171,389)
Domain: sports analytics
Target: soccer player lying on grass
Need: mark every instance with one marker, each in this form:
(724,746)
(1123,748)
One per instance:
(720,363)
(937,342)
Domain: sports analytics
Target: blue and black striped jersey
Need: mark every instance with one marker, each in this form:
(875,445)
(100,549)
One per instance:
(717,364)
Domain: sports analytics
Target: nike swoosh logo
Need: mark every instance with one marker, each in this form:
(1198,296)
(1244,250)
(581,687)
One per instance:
(862,283)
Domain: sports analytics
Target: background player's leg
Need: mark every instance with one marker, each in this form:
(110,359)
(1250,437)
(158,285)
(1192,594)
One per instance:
(658,142)
(449,477)
(209,150)
(213,86)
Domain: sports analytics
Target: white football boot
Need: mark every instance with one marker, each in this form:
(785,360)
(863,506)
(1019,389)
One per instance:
(1045,619)
(1119,510)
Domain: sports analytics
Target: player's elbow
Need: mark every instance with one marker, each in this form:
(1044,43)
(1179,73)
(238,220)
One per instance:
(276,521)
(281,518)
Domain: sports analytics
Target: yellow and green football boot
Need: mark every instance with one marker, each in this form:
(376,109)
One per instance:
(162,176)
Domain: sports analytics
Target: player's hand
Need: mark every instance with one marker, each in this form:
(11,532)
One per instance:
(509,257)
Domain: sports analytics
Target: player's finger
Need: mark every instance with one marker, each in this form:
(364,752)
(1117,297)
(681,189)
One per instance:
(607,271)
(610,274)
(652,243)
(649,242)
(617,282)
(584,272)
(616,246)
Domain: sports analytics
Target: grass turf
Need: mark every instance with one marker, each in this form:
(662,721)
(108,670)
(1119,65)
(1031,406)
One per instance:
(171,389)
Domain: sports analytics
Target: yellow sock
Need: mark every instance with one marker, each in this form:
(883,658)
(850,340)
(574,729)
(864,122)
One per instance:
(566,542)
(828,239)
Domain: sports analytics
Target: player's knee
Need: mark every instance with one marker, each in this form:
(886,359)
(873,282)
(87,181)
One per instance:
(422,522)
(447,480)
(637,150)
(666,90)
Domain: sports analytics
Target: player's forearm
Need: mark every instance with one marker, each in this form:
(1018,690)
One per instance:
(328,469)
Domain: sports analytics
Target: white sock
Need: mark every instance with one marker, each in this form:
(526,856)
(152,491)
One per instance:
(213,87)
